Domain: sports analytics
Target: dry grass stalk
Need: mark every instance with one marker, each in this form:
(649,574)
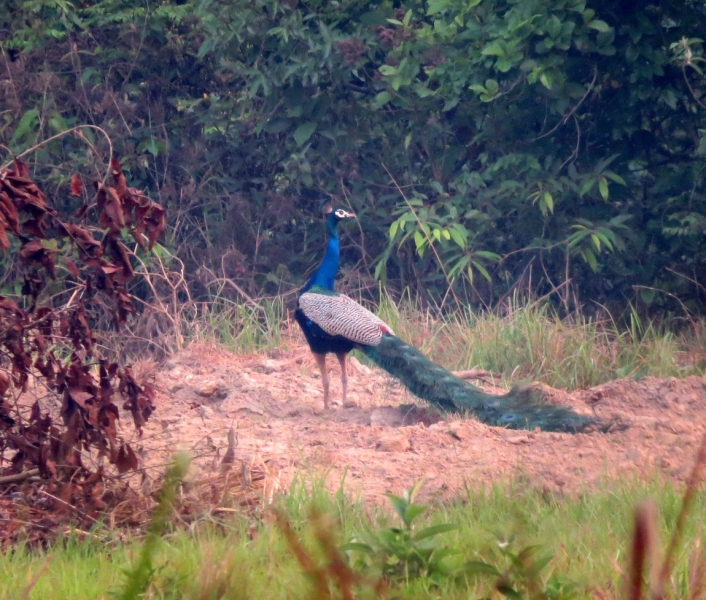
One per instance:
(687,501)
(35,579)
(335,571)
(697,573)
(645,543)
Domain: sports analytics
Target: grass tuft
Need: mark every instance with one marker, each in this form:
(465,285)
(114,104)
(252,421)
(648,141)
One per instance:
(241,328)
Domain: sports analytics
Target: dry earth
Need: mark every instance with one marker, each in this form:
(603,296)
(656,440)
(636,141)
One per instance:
(386,443)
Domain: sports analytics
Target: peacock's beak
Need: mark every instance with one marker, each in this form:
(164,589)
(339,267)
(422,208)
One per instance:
(347,215)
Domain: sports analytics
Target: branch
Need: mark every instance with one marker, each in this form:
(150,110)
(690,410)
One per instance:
(79,134)
(693,93)
(566,117)
(17,477)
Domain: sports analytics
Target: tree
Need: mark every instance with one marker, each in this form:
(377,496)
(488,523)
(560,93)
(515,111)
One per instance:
(528,136)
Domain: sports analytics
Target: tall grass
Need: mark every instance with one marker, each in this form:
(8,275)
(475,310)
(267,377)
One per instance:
(241,328)
(530,341)
(523,341)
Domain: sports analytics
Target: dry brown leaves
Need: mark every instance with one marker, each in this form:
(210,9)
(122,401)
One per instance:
(54,344)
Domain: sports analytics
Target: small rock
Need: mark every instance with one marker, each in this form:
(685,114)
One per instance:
(517,439)
(175,388)
(207,389)
(396,442)
(452,431)
(214,389)
(350,404)
(267,367)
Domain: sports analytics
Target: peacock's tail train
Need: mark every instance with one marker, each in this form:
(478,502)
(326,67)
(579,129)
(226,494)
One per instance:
(436,385)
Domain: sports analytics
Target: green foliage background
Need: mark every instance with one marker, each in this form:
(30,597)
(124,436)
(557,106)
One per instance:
(534,140)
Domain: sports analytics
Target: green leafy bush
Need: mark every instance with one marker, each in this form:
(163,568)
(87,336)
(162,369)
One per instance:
(536,142)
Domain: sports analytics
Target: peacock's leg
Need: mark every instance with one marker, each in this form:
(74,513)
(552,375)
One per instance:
(344,374)
(321,361)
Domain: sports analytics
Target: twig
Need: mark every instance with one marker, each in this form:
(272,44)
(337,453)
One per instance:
(693,93)
(687,312)
(566,117)
(18,476)
(518,282)
(479,374)
(691,279)
(554,291)
(575,153)
(229,281)
(30,587)
(69,505)
(76,130)
(364,253)
(9,76)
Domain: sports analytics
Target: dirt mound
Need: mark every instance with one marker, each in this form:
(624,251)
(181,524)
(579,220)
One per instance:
(386,441)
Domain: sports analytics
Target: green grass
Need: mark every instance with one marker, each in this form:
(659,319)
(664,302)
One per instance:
(529,341)
(242,329)
(588,536)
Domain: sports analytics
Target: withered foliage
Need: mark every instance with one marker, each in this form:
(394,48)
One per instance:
(44,343)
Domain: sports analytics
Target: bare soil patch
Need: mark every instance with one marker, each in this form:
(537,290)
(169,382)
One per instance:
(274,404)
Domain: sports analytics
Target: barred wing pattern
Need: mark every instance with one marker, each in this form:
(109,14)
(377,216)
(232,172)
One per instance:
(339,315)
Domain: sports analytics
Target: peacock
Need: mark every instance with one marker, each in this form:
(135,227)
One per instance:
(322,281)
(334,323)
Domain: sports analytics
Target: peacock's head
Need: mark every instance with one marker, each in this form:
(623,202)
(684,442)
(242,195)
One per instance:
(335,214)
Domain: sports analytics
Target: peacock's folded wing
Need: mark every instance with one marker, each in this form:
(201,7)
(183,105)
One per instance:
(338,315)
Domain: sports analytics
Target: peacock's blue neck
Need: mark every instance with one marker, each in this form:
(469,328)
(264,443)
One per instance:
(325,275)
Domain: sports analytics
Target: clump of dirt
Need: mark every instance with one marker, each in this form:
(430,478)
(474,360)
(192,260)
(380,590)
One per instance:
(386,440)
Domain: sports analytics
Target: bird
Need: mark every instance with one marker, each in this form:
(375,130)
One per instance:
(322,281)
(335,323)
